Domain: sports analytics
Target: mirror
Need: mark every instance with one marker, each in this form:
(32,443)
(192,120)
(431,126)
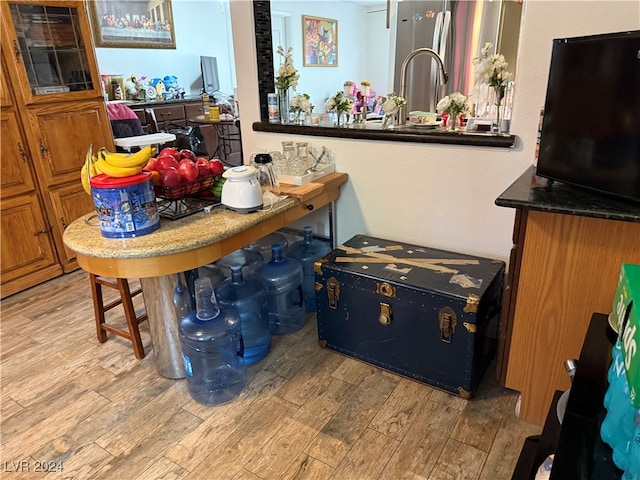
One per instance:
(377,56)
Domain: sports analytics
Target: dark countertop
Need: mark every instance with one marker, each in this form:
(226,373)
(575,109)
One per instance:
(532,192)
(405,133)
(148,103)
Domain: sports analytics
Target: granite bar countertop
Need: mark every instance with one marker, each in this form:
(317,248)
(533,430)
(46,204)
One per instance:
(174,236)
(532,192)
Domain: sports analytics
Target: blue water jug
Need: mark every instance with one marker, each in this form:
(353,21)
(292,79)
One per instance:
(212,348)
(249,261)
(307,251)
(263,245)
(282,279)
(249,298)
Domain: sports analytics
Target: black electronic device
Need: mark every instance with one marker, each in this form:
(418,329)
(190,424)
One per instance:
(591,126)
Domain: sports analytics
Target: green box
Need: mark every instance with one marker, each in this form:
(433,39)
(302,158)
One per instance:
(626,305)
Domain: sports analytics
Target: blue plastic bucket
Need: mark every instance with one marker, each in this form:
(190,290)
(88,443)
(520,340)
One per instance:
(126,206)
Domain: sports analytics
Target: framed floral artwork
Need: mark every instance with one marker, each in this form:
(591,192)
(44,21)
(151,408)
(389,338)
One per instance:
(319,41)
(132,24)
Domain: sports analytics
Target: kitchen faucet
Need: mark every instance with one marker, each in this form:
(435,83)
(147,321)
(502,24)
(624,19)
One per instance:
(444,77)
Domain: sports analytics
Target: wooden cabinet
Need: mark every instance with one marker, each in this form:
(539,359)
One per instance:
(28,255)
(568,267)
(51,58)
(52,110)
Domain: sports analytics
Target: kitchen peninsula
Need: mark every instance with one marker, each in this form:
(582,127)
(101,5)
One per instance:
(569,245)
(184,244)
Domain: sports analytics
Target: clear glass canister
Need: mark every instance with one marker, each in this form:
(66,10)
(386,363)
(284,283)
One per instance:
(266,174)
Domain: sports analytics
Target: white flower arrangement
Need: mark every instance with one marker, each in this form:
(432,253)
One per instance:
(392,102)
(301,103)
(454,104)
(492,70)
(339,103)
(288,75)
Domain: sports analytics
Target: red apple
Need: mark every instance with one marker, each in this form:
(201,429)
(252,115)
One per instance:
(186,153)
(152,165)
(166,161)
(170,177)
(188,170)
(203,167)
(203,171)
(216,167)
(173,151)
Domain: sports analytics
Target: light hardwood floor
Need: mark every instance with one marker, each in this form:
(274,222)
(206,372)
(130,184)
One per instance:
(306,412)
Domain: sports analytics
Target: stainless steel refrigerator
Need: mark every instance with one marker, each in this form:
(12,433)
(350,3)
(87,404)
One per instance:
(456,30)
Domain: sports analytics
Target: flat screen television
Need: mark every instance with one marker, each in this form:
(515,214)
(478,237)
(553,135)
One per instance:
(591,125)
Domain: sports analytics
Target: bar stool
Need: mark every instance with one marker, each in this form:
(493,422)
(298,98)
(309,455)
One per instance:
(133,332)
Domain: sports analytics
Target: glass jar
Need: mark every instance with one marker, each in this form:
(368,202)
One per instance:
(266,174)
(301,160)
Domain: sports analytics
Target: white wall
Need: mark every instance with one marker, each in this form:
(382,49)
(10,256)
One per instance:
(436,195)
(202,27)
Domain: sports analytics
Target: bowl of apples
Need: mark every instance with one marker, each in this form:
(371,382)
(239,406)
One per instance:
(179,173)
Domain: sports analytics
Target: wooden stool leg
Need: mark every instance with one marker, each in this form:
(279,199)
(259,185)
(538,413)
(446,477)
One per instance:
(130,315)
(98,308)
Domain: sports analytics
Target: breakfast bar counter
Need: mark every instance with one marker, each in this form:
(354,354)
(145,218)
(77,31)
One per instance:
(184,244)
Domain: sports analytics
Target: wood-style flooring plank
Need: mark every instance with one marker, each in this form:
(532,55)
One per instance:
(310,378)
(31,440)
(368,457)
(144,454)
(85,461)
(458,461)
(417,454)
(125,436)
(340,433)
(230,456)
(221,421)
(278,455)
(318,410)
(399,411)
(308,468)
(506,448)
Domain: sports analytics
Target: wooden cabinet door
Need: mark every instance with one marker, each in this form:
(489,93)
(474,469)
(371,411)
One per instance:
(68,203)
(5,93)
(31,258)
(16,175)
(50,52)
(62,133)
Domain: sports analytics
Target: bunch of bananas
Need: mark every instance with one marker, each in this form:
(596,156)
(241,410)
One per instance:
(119,165)
(88,170)
(113,164)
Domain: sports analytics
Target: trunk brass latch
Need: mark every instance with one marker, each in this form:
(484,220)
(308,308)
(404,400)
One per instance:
(473,301)
(448,320)
(333,292)
(386,289)
(385,314)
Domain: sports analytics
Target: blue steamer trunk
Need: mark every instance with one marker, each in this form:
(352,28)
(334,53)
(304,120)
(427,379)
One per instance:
(427,314)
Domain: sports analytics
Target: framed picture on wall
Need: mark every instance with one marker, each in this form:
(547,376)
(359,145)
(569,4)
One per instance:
(319,42)
(132,24)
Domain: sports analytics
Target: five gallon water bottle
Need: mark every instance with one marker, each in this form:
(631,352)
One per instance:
(307,251)
(212,348)
(282,279)
(249,298)
(249,261)
(263,245)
